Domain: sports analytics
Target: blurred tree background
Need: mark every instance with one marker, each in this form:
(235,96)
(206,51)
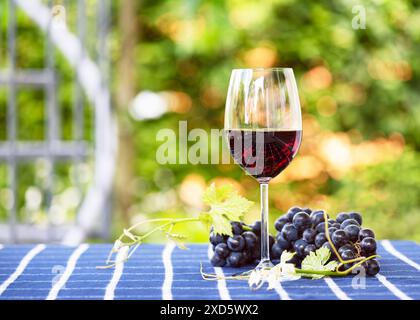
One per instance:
(359,90)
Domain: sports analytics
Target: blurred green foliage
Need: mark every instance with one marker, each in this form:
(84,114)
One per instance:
(360,84)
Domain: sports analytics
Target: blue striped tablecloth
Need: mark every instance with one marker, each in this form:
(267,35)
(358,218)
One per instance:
(166,272)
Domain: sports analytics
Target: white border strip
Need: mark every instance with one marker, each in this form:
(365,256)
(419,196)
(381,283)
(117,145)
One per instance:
(1,246)
(118,271)
(167,263)
(391,249)
(337,291)
(397,292)
(221,283)
(71,264)
(21,267)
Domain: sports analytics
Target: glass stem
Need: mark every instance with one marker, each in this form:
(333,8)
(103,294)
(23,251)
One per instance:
(265,248)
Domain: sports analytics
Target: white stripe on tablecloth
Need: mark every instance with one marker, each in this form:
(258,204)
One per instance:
(281,292)
(221,283)
(337,291)
(71,264)
(397,292)
(1,246)
(391,249)
(21,267)
(118,271)
(167,263)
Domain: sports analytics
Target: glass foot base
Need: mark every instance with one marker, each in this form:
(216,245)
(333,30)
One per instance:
(264,265)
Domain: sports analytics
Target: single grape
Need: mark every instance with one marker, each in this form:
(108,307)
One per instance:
(346,247)
(364,233)
(299,247)
(347,255)
(309,235)
(356,216)
(320,239)
(256,252)
(292,211)
(348,222)
(352,232)
(222,250)
(339,238)
(283,243)
(256,227)
(347,266)
(289,232)
(246,257)
(296,260)
(276,251)
(331,230)
(271,241)
(301,221)
(342,216)
(309,248)
(317,217)
(372,267)
(331,222)
(368,246)
(217,261)
(236,243)
(216,238)
(250,239)
(320,227)
(234,259)
(280,222)
(307,210)
(336,225)
(237,227)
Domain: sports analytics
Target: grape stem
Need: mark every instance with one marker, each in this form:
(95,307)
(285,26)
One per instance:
(320,272)
(168,225)
(327,234)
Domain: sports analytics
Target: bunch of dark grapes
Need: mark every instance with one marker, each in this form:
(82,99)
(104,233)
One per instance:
(241,249)
(302,230)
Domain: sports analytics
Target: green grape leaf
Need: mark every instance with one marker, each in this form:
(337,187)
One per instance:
(225,206)
(317,261)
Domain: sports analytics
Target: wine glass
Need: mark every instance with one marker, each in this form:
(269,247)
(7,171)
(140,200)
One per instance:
(263,126)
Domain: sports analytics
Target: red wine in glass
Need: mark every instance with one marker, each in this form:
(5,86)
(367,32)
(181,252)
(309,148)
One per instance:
(263,154)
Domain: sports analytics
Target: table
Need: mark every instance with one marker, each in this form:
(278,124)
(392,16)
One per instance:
(167,272)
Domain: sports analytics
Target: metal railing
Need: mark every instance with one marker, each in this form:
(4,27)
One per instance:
(91,81)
